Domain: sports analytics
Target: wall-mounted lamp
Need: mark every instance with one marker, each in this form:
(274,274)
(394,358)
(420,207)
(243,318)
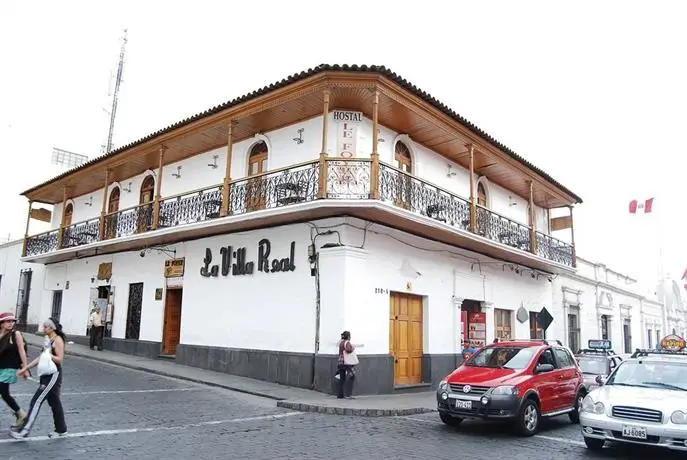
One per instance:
(127,189)
(171,253)
(178,173)
(213,165)
(89,202)
(511,201)
(451,172)
(299,139)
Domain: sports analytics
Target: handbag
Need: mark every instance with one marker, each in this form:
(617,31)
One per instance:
(350,359)
(46,366)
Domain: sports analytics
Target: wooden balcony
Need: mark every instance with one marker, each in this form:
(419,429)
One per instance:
(346,188)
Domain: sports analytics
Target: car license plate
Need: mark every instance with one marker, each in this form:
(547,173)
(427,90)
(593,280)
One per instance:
(463,404)
(635,432)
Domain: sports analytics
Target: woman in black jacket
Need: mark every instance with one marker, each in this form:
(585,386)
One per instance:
(12,357)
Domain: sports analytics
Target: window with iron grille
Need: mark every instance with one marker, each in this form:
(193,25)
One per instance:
(536,331)
(573,332)
(503,319)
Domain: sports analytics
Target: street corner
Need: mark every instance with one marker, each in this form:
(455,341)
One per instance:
(353,407)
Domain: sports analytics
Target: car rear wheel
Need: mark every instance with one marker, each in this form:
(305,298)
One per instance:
(594,444)
(450,421)
(575,414)
(527,423)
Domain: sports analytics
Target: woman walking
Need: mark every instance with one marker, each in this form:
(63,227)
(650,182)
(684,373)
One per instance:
(12,357)
(346,365)
(50,384)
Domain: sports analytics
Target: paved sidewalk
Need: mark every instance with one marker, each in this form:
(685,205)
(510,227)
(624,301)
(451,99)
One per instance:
(287,397)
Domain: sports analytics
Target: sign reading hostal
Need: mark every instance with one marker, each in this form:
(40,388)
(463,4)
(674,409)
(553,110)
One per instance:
(174,268)
(673,342)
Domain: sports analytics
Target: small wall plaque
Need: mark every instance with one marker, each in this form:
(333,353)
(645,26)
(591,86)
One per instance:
(158,294)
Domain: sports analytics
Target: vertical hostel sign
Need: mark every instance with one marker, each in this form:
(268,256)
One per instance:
(347,132)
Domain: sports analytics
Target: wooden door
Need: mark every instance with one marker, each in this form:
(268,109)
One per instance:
(144,215)
(404,185)
(405,337)
(112,208)
(172,327)
(255,188)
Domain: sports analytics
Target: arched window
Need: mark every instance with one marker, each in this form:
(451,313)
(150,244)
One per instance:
(113,202)
(257,164)
(68,211)
(403,160)
(147,190)
(481,195)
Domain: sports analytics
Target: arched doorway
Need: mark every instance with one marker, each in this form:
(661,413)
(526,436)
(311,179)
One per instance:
(145,199)
(255,188)
(404,162)
(112,208)
(67,217)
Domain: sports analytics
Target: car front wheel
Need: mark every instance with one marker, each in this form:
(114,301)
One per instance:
(450,421)
(575,414)
(527,423)
(594,444)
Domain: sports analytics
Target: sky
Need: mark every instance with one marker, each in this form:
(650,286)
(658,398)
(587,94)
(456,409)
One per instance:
(592,92)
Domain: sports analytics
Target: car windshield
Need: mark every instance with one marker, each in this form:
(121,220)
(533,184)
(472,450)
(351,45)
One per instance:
(593,365)
(508,357)
(651,374)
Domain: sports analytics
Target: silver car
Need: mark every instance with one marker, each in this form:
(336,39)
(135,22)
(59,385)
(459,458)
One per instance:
(644,401)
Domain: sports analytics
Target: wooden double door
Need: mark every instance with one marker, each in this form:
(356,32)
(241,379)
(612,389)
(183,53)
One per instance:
(171,334)
(405,337)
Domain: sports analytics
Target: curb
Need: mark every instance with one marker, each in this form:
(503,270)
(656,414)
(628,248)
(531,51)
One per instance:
(169,374)
(331,410)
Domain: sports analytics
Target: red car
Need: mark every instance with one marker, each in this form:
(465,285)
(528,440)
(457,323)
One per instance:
(518,381)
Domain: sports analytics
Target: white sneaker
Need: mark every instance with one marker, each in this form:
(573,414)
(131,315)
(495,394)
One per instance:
(18,434)
(55,434)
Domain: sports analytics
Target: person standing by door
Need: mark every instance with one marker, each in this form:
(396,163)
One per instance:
(97,329)
(12,357)
(50,384)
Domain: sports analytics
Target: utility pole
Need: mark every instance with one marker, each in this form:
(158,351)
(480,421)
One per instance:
(118,81)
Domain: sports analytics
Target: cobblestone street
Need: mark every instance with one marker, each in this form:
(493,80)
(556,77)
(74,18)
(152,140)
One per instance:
(114,412)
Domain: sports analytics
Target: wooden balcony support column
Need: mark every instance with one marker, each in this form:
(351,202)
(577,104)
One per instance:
(158,187)
(101,223)
(226,196)
(322,186)
(533,220)
(374,166)
(61,229)
(473,203)
(26,231)
(572,237)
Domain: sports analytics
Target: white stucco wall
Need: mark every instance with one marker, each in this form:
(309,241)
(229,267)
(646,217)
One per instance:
(10,267)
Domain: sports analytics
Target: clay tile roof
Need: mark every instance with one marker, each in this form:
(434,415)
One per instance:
(380,70)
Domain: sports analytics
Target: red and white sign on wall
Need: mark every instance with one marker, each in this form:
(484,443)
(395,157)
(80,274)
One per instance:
(477,329)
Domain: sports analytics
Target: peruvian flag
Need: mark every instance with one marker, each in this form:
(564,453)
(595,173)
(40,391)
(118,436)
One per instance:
(646,205)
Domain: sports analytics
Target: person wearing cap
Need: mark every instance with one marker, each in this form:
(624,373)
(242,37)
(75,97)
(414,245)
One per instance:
(12,357)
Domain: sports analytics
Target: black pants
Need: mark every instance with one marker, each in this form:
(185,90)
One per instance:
(97,336)
(50,388)
(5,393)
(345,373)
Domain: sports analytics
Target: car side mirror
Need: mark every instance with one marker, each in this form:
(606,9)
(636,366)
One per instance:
(543,368)
(600,380)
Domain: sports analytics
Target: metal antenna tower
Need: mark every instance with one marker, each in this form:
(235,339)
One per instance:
(118,81)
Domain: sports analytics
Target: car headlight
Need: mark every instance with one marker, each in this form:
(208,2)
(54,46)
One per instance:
(443,385)
(679,418)
(505,390)
(588,405)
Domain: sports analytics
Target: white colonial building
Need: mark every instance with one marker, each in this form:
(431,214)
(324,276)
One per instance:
(246,238)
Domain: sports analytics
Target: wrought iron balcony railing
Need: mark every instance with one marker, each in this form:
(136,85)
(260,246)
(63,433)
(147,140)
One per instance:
(343,179)
(413,194)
